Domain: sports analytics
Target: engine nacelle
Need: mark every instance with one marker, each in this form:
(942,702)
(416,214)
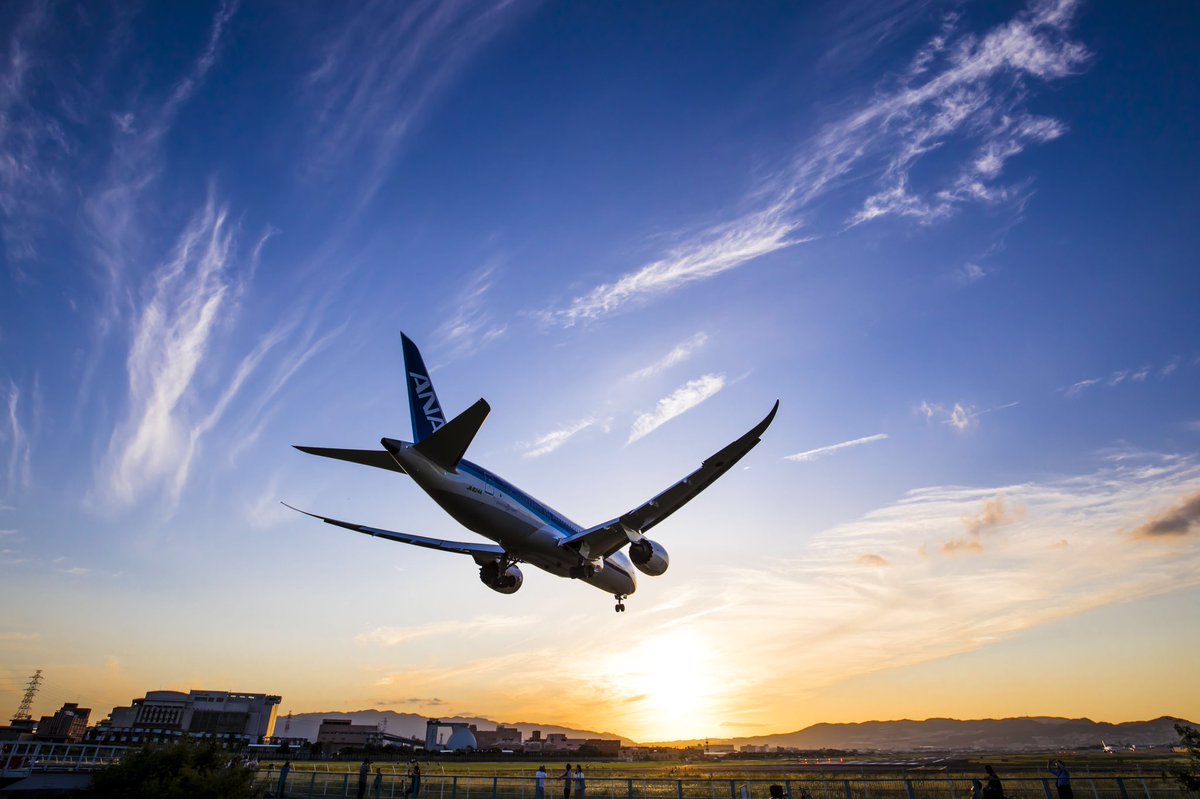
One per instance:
(506,582)
(649,557)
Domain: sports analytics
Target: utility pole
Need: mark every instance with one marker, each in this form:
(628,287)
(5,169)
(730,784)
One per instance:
(24,711)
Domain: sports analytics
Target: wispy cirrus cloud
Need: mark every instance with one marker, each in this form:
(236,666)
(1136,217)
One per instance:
(960,87)
(682,352)
(469,323)
(33,144)
(679,401)
(821,452)
(18,468)
(1118,377)
(378,72)
(548,442)
(715,250)
(113,210)
(1055,549)
(960,416)
(188,300)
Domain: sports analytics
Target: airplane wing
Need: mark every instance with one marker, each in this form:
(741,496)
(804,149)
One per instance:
(482,553)
(605,539)
(379,458)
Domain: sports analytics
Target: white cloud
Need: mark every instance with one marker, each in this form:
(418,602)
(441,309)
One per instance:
(468,322)
(189,298)
(820,452)
(19,452)
(714,251)
(830,596)
(545,444)
(958,87)
(381,68)
(679,401)
(960,417)
(678,355)
(970,273)
(1083,385)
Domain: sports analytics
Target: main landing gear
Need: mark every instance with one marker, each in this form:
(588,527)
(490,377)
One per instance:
(620,604)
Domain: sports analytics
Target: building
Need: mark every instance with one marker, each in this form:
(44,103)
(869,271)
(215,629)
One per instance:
(67,725)
(164,716)
(335,735)
(559,742)
(500,738)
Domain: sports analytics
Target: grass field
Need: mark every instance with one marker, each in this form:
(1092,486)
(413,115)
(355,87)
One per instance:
(1026,765)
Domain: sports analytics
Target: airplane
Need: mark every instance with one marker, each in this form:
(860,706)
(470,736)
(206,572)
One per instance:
(524,529)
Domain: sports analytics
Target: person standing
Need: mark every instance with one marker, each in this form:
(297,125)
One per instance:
(1062,779)
(994,788)
(283,774)
(567,777)
(580,785)
(414,780)
(539,783)
(377,790)
(364,771)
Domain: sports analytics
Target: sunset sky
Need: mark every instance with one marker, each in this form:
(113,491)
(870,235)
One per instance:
(958,242)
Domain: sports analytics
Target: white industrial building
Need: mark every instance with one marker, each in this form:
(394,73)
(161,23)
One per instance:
(163,716)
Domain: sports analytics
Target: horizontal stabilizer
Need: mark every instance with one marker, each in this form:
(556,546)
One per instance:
(447,445)
(378,458)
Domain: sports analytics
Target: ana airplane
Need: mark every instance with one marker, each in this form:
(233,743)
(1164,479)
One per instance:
(524,529)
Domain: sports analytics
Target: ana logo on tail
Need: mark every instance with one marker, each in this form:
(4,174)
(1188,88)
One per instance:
(423,388)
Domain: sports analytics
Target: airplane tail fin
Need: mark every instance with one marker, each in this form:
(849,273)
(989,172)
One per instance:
(427,416)
(447,445)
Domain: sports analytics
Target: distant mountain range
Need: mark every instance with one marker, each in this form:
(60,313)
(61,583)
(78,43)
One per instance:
(412,725)
(1031,732)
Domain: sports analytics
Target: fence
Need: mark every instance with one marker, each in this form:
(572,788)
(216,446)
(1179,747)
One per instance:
(303,784)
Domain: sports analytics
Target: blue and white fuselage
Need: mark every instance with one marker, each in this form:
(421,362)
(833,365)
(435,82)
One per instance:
(523,529)
(496,509)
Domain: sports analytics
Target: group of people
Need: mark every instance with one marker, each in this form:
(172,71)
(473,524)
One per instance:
(364,772)
(571,780)
(994,789)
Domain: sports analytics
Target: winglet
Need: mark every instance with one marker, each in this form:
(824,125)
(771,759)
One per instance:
(423,405)
(447,445)
(735,451)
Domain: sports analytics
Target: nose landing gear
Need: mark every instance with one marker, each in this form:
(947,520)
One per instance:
(620,608)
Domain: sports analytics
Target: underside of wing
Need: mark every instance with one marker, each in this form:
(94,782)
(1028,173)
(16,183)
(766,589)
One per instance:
(482,553)
(605,539)
(379,458)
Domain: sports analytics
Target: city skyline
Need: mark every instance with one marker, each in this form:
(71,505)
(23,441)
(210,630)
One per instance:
(954,241)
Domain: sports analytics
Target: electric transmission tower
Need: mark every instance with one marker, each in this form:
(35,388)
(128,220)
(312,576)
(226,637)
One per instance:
(35,682)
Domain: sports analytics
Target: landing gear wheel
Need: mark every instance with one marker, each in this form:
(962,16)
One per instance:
(620,608)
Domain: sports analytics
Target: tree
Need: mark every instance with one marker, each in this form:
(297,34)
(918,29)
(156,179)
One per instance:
(180,771)
(1189,774)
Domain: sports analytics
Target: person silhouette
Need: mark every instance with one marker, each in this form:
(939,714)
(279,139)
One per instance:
(567,778)
(1062,779)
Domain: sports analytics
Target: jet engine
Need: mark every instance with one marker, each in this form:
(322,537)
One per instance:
(649,557)
(506,582)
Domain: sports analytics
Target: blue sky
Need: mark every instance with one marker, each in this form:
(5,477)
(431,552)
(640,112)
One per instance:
(956,241)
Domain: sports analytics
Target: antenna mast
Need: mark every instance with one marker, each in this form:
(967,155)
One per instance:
(35,682)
